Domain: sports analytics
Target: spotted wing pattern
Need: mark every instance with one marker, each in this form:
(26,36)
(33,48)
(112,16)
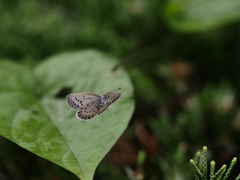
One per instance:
(78,100)
(111,98)
(86,103)
(86,113)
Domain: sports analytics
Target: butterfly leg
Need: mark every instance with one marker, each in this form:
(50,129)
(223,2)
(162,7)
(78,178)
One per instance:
(100,106)
(111,102)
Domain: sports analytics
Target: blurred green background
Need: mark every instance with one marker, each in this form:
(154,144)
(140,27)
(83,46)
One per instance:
(183,59)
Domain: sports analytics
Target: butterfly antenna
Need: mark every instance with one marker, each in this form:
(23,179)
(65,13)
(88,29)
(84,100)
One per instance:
(117,89)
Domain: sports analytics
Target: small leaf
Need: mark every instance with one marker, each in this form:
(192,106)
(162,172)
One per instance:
(47,126)
(199,15)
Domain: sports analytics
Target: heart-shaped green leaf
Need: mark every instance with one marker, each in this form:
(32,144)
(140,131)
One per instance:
(34,116)
(199,15)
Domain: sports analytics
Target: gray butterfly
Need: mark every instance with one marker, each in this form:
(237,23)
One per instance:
(90,104)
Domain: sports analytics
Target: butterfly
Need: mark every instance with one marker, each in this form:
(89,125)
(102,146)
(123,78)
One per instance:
(90,104)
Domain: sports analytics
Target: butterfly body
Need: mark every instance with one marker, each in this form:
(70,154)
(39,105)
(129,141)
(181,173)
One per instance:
(90,104)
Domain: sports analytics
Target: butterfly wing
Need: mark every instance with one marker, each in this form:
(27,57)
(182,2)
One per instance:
(77,100)
(112,97)
(88,111)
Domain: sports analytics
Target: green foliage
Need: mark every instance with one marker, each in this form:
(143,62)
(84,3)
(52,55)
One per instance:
(173,133)
(197,15)
(212,170)
(219,175)
(34,113)
(141,81)
(214,101)
(113,26)
(64,25)
(205,168)
(181,55)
